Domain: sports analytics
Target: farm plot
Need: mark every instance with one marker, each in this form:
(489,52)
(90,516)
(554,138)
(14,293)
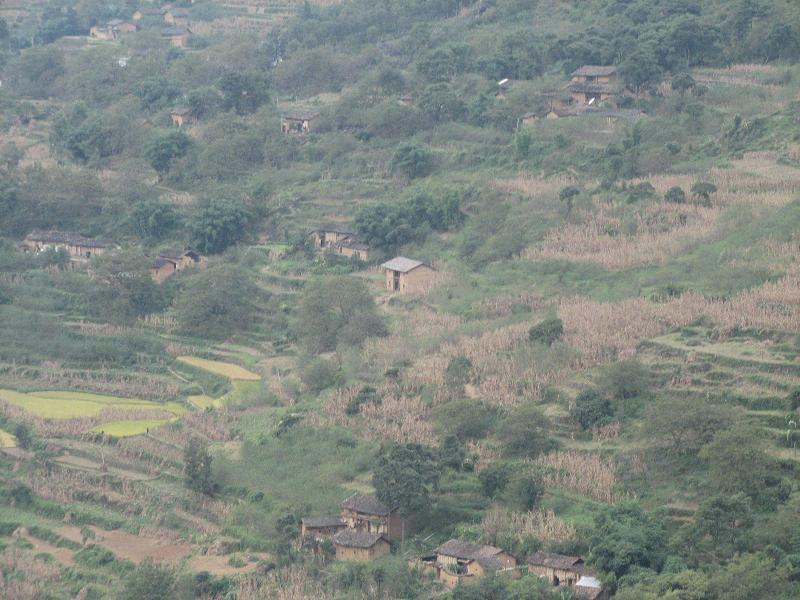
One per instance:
(229,370)
(111,415)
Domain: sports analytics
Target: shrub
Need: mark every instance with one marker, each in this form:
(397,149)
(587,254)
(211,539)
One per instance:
(675,195)
(318,374)
(467,419)
(366,394)
(94,556)
(547,332)
(590,409)
(458,371)
(625,379)
(494,479)
(526,491)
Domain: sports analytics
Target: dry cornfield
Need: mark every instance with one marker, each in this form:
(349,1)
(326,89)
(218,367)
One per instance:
(544,525)
(24,576)
(582,473)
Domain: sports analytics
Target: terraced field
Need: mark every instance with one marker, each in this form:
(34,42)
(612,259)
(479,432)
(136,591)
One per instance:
(229,370)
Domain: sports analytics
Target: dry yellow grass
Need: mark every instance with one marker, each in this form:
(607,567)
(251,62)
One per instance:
(544,525)
(582,473)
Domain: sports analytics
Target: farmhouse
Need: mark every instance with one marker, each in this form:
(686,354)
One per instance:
(593,84)
(298,121)
(408,276)
(121,26)
(527,119)
(461,562)
(142,13)
(354,545)
(177,17)
(170,261)
(503,87)
(181,116)
(80,249)
(177,36)
(102,32)
(558,569)
(320,528)
(341,239)
(365,512)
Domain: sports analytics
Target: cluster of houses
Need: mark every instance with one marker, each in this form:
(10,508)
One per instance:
(175,30)
(403,275)
(81,250)
(592,90)
(367,528)
(364,530)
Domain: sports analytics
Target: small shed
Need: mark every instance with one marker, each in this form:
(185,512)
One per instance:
(528,118)
(558,569)
(125,27)
(365,512)
(354,545)
(590,588)
(181,116)
(595,74)
(503,87)
(353,248)
(330,234)
(298,121)
(143,13)
(408,276)
(460,562)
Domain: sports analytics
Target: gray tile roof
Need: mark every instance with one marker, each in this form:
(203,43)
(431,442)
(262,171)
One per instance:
(402,264)
(352,538)
(467,551)
(320,522)
(556,561)
(595,71)
(337,228)
(181,111)
(68,238)
(300,114)
(367,504)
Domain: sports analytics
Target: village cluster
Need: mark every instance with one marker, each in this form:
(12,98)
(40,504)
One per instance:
(367,528)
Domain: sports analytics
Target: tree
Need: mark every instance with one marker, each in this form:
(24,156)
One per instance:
(494,479)
(156,93)
(412,161)
(151,581)
(547,332)
(591,408)
(525,432)
(458,372)
(22,432)
(218,302)
(625,379)
(738,461)
(682,82)
(702,190)
(452,453)
(681,426)
(526,491)
(640,70)
(407,476)
(243,92)
(162,151)
(625,536)
(675,195)
(567,196)
(197,467)
(128,290)
(218,225)
(152,219)
(336,310)
(727,520)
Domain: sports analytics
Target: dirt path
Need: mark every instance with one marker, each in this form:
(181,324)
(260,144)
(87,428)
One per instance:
(62,555)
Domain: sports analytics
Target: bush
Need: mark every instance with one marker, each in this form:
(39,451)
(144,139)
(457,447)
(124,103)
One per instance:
(319,374)
(526,491)
(525,432)
(625,379)
(458,371)
(590,409)
(94,556)
(547,332)
(675,195)
(366,394)
(467,419)
(494,479)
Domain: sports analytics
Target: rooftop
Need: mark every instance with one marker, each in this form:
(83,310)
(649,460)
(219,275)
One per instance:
(592,88)
(467,551)
(174,31)
(319,522)
(402,264)
(356,539)
(337,228)
(300,114)
(181,111)
(595,71)
(367,504)
(115,22)
(68,238)
(555,561)
(353,243)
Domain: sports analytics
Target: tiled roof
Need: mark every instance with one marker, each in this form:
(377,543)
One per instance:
(367,504)
(353,243)
(402,264)
(467,551)
(595,71)
(319,522)
(337,228)
(115,22)
(181,111)
(300,114)
(352,538)
(68,238)
(592,88)
(556,561)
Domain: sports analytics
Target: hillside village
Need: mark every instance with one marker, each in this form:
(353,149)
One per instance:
(467,300)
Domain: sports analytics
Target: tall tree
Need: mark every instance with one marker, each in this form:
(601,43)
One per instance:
(407,476)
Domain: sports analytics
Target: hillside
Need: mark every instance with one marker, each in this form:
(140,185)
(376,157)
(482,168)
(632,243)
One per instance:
(424,299)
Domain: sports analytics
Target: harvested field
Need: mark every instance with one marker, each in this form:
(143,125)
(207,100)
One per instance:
(7,440)
(68,405)
(224,369)
(133,547)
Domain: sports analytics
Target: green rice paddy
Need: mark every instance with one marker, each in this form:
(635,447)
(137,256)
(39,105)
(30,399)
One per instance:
(69,405)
